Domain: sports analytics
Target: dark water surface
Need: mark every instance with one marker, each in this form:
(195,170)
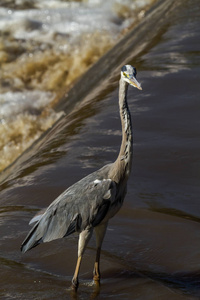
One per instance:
(152,247)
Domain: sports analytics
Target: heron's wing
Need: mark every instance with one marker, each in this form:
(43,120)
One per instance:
(84,204)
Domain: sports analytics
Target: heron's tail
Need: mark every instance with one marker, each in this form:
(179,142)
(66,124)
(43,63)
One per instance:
(51,225)
(32,240)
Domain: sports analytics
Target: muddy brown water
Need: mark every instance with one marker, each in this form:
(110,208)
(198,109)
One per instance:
(152,247)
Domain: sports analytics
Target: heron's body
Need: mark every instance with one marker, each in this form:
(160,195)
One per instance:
(89,204)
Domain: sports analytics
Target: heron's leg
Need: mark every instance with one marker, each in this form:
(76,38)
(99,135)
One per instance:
(76,273)
(96,272)
(100,231)
(84,238)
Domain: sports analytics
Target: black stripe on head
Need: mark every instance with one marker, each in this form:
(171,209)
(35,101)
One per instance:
(129,69)
(124,69)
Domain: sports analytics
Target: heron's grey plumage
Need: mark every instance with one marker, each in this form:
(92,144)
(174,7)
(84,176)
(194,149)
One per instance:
(92,201)
(65,215)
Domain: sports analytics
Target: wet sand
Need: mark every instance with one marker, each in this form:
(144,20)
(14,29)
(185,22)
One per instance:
(151,249)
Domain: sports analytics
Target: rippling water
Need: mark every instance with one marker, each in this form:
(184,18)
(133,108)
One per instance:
(151,249)
(44,47)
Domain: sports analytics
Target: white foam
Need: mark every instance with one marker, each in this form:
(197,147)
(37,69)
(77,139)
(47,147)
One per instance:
(67,18)
(13,103)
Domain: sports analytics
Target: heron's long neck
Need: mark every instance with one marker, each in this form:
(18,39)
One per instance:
(122,166)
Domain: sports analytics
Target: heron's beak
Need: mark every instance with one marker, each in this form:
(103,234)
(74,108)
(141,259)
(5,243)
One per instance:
(133,81)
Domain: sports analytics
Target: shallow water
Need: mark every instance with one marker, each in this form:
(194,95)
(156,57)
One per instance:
(151,249)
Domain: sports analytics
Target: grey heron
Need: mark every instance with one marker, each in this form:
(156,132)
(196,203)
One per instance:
(88,204)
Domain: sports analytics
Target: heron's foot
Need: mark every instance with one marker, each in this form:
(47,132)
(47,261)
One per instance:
(96,278)
(75,284)
(96,274)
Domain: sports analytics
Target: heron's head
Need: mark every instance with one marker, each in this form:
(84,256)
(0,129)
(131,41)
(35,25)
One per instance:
(128,74)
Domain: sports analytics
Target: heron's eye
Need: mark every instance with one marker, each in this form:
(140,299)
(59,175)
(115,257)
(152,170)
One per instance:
(125,75)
